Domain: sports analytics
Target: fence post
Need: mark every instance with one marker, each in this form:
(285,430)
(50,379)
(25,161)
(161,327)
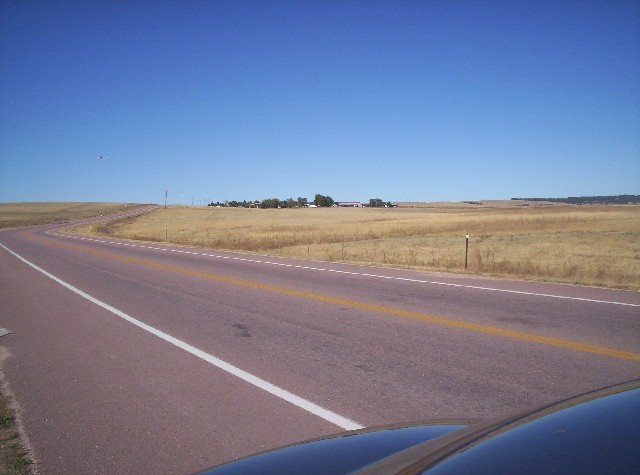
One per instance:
(466,251)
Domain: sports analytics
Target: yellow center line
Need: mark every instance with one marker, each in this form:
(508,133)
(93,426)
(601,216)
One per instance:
(448,322)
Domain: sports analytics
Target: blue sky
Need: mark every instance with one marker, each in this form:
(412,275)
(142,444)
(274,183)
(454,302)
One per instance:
(406,101)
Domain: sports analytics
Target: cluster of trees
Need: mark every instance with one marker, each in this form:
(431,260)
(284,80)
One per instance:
(288,203)
(579,200)
(378,203)
(319,200)
(323,201)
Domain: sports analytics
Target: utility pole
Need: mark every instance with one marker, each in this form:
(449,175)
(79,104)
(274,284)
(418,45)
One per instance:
(166,192)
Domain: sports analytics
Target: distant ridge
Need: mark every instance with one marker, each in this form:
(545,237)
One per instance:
(584,200)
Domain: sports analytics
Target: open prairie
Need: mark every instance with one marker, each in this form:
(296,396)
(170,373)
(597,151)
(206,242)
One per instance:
(25,214)
(589,245)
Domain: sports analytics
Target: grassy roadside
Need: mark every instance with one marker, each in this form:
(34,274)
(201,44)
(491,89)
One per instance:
(14,457)
(586,245)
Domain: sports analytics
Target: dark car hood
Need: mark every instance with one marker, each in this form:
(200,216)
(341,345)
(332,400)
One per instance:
(342,453)
(598,432)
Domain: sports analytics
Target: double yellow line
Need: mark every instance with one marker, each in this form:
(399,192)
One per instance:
(447,322)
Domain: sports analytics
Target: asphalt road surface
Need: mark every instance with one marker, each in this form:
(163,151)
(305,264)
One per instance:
(133,357)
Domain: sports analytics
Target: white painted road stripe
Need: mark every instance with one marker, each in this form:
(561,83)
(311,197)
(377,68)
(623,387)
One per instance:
(361,274)
(291,398)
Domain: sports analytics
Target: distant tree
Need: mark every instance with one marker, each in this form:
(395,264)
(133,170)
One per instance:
(302,202)
(290,203)
(376,203)
(271,203)
(323,201)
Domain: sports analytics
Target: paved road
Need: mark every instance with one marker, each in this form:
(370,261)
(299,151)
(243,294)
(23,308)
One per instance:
(148,358)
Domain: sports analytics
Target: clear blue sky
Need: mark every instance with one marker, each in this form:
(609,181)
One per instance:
(405,101)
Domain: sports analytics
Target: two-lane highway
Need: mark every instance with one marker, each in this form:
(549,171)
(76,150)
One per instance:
(140,357)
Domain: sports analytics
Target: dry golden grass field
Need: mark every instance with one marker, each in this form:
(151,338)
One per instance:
(25,214)
(590,245)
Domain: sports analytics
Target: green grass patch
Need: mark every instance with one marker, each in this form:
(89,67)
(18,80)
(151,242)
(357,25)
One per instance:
(14,458)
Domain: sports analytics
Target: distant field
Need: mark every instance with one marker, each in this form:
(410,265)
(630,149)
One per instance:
(25,214)
(590,245)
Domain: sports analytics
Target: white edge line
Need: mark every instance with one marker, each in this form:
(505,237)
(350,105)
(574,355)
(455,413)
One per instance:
(287,396)
(376,276)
